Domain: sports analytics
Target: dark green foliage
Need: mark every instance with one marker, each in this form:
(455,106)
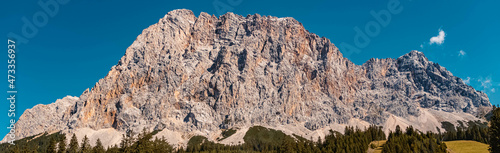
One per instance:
(448,126)
(154,132)
(201,144)
(475,130)
(86,148)
(227,133)
(127,141)
(98,148)
(46,143)
(413,141)
(52,146)
(62,144)
(195,143)
(161,145)
(113,149)
(299,138)
(494,131)
(257,139)
(73,144)
(353,140)
(261,139)
(42,143)
(488,115)
(142,143)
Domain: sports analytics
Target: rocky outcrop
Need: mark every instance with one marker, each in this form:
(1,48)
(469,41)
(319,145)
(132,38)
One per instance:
(201,74)
(45,118)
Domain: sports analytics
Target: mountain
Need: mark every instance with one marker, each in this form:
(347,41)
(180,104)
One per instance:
(188,75)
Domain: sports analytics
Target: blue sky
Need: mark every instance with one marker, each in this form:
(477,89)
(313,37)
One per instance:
(82,40)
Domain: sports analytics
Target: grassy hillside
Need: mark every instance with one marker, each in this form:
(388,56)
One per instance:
(466,146)
(377,146)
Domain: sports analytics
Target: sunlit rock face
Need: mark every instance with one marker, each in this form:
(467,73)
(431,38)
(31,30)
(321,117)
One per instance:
(201,74)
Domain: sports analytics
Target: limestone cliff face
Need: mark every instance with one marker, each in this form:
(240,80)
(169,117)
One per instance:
(45,118)
(188,73)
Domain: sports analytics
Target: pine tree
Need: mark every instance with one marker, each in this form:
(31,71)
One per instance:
(15,149)
(144,143)
(73,145)
(52,146)
(287,146)
(62,144)
(161,145)
(398,130)
(113,149)
(123,143)
(86,148)
(98,147)
(127,142)
(494,132)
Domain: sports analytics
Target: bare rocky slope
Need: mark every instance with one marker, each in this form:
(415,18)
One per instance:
(191,75)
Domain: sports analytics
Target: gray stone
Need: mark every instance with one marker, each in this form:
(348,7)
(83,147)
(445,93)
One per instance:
(188,73)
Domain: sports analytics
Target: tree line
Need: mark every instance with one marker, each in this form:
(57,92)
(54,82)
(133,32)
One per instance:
(476,131)
(56,143)
(261,139)
(413,140)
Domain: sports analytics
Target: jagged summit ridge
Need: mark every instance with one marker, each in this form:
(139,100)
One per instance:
(198,75)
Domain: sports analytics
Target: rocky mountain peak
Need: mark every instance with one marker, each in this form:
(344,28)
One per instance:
(197,75)
(415,54)
(413,60)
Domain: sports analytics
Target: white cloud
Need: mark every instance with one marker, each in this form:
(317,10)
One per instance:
(421,45)
(485,83)
(467,81)
(461,53)
(439,39)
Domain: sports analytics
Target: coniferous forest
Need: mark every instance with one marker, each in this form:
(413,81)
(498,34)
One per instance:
(413,140)
(261,139)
